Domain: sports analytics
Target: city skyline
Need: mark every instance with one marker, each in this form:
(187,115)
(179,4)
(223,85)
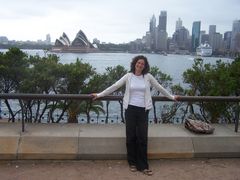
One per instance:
(109,21)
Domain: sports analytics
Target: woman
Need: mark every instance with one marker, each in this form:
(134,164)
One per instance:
(137,102)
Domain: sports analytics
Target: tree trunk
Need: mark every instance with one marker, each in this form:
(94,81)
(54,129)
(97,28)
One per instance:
(72,118)
(10,111)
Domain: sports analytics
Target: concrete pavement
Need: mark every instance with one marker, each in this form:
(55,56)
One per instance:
(163,169)
(106,141)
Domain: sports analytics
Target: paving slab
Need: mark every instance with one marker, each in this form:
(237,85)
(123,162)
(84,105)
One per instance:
(49,141)
(102,141)
(9,140)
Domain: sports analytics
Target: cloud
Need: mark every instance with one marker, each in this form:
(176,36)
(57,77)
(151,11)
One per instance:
(107,20)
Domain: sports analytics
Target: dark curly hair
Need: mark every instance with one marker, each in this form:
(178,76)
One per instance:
(134,61)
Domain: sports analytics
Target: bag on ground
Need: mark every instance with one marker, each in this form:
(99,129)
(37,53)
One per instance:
(198,126)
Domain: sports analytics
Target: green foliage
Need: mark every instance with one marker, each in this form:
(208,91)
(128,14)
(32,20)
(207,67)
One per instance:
(219,79)
(44,73)
(75,77)
(96,84)
(83,107)
(178,89)
(235,74)
(164,79)
(13,69)
(113,74)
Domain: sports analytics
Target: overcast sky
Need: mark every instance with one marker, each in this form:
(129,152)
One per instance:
(114,21)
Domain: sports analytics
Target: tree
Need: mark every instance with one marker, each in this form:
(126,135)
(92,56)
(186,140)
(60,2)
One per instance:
(212,80)
(96,84)
(13,70)
(113,74)
(166,81)
(44,74)
(235,74)
(75,79)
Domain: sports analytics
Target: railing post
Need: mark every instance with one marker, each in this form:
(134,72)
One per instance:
(23,121)
(23,125)
(237,117)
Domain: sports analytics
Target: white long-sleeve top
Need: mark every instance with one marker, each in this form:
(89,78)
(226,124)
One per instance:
(126,79)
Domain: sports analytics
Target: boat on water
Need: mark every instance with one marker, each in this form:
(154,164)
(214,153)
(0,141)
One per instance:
(204,50)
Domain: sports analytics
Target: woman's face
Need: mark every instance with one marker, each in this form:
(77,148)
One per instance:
(139,66)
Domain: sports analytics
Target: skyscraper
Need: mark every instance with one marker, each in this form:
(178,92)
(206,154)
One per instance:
(212,29)
(227,40)
(162,32)
(235,39)
(163,21)
(195,35)
(178,24)
(152,24)
(152,30)
(48,39)
(217,43)
(211,32)
(181,38)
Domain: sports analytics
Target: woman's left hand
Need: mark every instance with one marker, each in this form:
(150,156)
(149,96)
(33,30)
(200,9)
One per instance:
(176,98)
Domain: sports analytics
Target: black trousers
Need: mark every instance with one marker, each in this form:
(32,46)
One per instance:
(137,134)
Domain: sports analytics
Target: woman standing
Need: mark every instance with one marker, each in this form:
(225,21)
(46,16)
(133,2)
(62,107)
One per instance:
(137,102)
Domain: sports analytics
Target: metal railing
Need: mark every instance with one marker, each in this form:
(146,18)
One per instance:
(19,96)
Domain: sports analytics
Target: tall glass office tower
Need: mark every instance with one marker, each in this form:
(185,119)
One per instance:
(235,36)
(195,35)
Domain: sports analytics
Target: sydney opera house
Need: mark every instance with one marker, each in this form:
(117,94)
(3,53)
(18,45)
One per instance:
(79,45)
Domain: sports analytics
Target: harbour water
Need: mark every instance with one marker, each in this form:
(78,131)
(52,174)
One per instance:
(173,65)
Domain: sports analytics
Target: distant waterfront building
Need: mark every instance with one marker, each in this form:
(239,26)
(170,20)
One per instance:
(211,32)
(200,38)
(217,42)
(48,39)
(195,35)
(162,41)
(152,31)
(3,40)
(215,39)
(62,41)
(227,40)
(162,21)
(79,44)
(178,24)
(162,32)
(181,38)
(204,38)
(235,39)
(81,40)
(147,41)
